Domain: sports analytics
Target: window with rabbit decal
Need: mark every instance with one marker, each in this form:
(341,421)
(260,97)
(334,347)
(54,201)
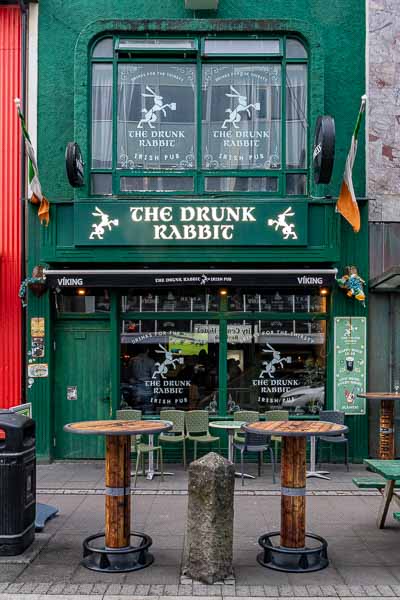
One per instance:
(199,116)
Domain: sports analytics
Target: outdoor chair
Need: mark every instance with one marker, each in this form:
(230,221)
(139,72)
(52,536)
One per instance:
(196,423)
(333,416)
(177,433)
(247,416)
(256,442)
(137,447)
(276,415)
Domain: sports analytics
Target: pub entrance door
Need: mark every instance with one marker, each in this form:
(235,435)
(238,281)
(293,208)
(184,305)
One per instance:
(82,387)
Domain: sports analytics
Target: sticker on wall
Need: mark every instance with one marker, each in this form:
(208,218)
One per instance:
(37,346)
(72,392)
(38,370)
(37,327)
(349,364)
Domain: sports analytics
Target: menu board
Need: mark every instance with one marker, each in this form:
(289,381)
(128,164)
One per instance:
(349,364)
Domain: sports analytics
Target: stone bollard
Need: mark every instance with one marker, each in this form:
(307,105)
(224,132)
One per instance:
(208,550)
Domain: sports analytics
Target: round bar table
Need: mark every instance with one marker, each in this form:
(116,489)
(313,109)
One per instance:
(115,553)
(292,555)
(231,427)
(386,421)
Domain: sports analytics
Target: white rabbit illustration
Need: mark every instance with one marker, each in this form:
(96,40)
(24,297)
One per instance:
(105,221)
(234,115)
(151,114)
(162,368)
(269,366)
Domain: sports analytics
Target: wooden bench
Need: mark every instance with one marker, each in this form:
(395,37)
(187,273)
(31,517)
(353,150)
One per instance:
(368,482)
(390,471)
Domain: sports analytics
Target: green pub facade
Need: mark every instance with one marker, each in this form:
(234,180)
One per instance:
(194,263)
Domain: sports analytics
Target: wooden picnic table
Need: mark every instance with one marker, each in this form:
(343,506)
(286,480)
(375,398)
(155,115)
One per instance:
(292,554)
(386,421)
(117,554)
(390,471)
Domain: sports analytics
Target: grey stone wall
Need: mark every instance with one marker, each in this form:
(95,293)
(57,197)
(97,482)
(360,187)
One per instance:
(383,183)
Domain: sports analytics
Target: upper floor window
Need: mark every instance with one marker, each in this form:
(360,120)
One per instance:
(194,115)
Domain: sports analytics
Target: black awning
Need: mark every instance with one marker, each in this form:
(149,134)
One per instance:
(144,278)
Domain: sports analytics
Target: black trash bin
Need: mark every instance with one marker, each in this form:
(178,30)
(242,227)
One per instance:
(17,483)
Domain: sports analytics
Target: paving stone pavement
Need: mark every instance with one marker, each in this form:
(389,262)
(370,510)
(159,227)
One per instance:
(364,561)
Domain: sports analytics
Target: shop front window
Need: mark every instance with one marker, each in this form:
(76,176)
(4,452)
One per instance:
(277,364)
(169,364)
(171,300)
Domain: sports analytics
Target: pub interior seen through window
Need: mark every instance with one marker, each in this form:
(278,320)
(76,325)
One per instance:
(199,115)
(266,350)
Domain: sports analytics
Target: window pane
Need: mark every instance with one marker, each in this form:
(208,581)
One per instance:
(101,184)
(241,116)
(102,116)
(103,49)
(296,116)
(241,184)
(169,364)
(241,47)
(161,44)
(275,365)
(296,184)
(156,184)
(295,49)
(91,301)
(156,116)
(169,300)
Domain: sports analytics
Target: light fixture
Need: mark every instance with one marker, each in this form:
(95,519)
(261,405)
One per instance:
(223,292)
(324,291)
(201,4)
(81,292)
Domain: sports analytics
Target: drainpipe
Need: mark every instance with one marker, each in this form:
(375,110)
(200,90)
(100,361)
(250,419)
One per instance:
(24,7)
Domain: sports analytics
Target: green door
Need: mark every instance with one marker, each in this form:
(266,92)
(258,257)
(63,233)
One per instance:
(82,390)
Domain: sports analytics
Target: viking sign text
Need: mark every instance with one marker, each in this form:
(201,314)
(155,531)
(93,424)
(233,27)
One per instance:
(261,223)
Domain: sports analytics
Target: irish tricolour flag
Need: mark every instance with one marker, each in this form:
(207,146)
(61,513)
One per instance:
(33,173)
(347,203)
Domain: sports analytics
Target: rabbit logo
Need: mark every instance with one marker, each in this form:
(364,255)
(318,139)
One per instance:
(105,221)
(287,229)
(234,115)
(151,114)
(269,366)
(169,360)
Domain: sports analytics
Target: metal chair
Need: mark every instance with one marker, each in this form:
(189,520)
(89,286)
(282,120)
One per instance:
(334,416)
(247,416)
(177,433)
(276,415)
(256,442)
(137,447)
(196,423)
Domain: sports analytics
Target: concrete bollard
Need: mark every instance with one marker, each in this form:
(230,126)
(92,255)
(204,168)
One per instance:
(208,550)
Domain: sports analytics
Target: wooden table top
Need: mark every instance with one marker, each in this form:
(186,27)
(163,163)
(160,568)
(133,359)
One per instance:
(118,427)
(389,469)
(380,395)
(295,428)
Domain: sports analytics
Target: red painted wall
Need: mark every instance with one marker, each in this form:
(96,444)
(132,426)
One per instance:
(10,207)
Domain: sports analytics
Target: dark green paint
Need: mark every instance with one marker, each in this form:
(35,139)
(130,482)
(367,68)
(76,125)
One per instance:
(335,37)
